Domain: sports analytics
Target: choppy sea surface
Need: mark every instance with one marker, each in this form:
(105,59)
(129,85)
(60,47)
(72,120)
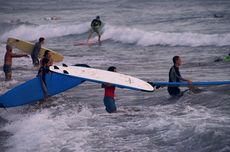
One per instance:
(139,38)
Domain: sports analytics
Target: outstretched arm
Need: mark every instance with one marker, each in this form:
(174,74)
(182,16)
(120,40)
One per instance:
(14,55)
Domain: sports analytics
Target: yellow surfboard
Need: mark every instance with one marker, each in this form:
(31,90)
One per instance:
(28,47)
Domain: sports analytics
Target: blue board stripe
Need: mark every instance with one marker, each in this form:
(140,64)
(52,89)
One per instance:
(193,83)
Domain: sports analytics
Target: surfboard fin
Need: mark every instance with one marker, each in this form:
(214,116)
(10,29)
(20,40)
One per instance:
(55,67)
(64,65)
(66,72)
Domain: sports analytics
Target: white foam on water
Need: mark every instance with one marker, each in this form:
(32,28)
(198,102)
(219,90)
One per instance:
(149,38)
(121,34)
(41,131)
(28,32)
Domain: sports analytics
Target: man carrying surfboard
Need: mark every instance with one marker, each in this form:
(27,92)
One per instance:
(109,101)
(8,61)
(96,25)
(36,50)
(175,76)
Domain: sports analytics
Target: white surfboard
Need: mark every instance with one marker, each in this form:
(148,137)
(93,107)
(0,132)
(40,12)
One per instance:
(103,76)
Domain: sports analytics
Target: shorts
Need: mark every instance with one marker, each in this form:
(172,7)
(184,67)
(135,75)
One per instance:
(35,60)
(110,105)
(95,29)
(7,68)
(174,91)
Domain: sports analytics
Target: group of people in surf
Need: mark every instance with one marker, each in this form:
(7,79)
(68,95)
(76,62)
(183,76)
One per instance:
(109,93)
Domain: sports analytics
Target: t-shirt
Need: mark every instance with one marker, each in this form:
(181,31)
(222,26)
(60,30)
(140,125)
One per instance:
(110,91)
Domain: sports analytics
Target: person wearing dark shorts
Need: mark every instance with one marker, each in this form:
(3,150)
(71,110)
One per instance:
(175,76)
(109,101)
(36,50)
(9,55)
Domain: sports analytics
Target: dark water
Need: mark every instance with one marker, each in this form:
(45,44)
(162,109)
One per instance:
(140,38)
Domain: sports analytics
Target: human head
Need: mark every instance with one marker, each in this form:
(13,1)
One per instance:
(112,69)
(176,60)
(41,39)
(8,48)
(46,53)
(229,54)
(98,17)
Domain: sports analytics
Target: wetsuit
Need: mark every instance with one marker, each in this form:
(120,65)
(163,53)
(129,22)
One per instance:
(42,75)
(35,52)
(109,101)
(95,25)
(174,76)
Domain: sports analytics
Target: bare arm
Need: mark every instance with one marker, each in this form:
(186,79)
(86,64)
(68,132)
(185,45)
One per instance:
(14,55)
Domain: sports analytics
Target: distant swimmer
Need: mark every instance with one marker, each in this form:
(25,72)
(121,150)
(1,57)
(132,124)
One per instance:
(109,101)
(8,61)
(218,16)
(96,25)
(36,50)
(227,58)
(175,76)
(52,18)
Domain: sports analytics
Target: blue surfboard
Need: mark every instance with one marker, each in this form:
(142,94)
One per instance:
(32,91)
(185,84)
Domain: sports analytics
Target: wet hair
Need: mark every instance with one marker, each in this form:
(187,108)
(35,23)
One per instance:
(229,54)
(41,39)
(112,68)
(175,58)
(46,53)
(97,17)
(8,47)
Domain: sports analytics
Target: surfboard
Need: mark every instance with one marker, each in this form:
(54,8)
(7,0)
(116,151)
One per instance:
(32,91)
(103,76)
(27,47)
(186,84)
(84,43)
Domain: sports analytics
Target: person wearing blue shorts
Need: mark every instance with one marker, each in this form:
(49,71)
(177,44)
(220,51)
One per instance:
(109,101)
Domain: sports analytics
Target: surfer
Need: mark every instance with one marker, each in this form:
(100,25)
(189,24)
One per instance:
(36,50)
(175,76)
(95,27)
(8,61)
(43,70)
(109,101)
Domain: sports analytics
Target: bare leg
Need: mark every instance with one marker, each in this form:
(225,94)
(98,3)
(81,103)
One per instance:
(90,34)
(8,76)
(45,91)
(99,38)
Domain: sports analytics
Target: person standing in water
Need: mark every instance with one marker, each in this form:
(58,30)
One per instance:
(175,76)
(8,61)
(96,25)
(36,50)
(109,101)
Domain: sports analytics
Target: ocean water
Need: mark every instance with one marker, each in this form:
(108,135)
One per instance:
(140,38)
